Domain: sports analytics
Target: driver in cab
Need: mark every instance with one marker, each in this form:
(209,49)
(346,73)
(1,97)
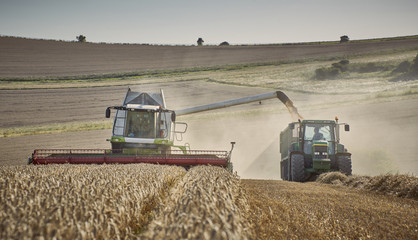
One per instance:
(317,135)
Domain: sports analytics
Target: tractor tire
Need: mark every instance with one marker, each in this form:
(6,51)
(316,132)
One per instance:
(334,164)
(344,165)
(297,168)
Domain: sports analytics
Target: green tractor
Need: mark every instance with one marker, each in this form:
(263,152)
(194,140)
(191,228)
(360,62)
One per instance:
(311,147)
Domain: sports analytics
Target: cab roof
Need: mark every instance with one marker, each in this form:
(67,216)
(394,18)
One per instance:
(318,121)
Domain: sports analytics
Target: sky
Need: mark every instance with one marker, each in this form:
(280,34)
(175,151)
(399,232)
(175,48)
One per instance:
(182,22)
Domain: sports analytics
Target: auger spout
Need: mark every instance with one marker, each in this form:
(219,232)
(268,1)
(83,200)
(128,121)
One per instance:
(229,103)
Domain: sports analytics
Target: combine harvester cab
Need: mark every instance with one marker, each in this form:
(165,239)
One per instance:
(312,147)
(144,131)
(144,123)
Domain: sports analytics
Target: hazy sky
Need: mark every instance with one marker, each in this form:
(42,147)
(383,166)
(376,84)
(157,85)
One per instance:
(184,21)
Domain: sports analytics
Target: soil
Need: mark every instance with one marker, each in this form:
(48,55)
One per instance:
(21,57)
(49,106)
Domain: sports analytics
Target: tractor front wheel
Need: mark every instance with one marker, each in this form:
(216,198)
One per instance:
(297,168)
(344,164)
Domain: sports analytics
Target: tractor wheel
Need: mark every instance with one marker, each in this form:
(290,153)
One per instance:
(297,168)
(334,164)
(344,164)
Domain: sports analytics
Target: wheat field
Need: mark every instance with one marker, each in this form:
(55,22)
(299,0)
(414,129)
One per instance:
(208,203)
(80,202)
(314,210)
(144,201)
(120,202)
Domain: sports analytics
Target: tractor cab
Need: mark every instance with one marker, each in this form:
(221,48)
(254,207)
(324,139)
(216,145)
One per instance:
(318,134)
(143,122)
(318,144)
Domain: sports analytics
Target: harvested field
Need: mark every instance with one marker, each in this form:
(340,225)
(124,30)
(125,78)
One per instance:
(29,57)
(48,106)
(399,185)
(286,210)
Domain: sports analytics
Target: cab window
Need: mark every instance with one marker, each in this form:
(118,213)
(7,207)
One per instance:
(318,132)
(140,125)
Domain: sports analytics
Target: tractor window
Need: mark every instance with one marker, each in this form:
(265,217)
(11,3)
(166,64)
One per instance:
(318,132)
(141,125)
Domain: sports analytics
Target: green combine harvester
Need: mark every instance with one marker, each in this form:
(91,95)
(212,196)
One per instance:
(146,131)
(311,147)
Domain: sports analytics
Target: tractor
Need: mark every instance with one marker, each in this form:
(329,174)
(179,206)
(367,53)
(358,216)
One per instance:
(311,147)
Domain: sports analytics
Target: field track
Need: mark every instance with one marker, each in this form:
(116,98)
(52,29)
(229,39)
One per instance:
(28,57)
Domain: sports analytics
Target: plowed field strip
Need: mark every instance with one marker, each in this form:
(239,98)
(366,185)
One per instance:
(284,210)
(31,58)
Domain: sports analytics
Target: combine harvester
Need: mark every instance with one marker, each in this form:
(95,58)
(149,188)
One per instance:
(144,131)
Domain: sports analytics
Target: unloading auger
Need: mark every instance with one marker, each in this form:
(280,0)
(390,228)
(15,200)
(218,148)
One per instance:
(144,131)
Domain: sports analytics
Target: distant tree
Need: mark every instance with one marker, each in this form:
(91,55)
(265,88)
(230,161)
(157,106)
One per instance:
(200,41)
(224,44)
(81,38)
(344,39)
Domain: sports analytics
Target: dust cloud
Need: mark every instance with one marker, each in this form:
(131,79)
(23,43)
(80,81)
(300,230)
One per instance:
(382,138)
(256,154)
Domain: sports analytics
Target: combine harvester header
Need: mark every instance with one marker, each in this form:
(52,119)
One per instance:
(144,131)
